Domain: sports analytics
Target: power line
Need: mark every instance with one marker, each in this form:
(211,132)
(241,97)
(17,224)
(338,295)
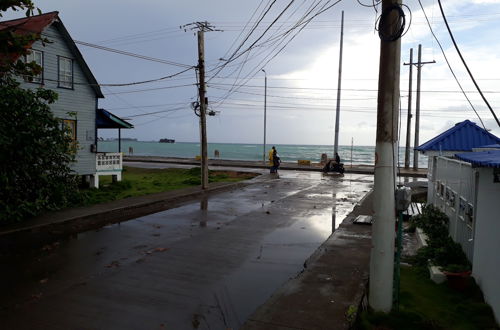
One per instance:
(344,89)
(144,57)
(465,64)
(449,65)
(302,23)
(150,89)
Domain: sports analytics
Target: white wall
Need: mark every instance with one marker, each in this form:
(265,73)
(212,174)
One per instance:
(486,266)
(458,184)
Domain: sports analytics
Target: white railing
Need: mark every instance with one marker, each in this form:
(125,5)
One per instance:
(109,161)
(454,185)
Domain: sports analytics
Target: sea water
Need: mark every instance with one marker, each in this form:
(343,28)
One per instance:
(253,152)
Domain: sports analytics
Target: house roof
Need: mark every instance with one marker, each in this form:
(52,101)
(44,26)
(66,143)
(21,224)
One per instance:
(37,24)
(490,158)
(32,24)
(462,137)
(105,119)
(496,146)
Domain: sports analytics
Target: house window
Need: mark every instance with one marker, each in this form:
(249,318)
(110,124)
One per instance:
(65,72)
(70,126)
(451,197)
(469,214)
(462,207)
(37,57)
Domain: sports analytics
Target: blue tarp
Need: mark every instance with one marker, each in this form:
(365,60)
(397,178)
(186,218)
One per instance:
(462,137)
(489,158)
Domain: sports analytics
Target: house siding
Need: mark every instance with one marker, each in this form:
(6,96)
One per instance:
(487,243)
(80,100)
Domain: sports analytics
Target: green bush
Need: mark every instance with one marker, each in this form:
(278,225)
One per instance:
(441,249)
(35,155)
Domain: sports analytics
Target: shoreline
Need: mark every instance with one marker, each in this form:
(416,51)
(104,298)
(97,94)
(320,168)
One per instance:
(315,166)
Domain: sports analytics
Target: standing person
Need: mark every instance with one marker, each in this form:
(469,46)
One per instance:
(271,155)
(276,161)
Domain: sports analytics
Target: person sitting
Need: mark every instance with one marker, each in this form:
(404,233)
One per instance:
(332,164)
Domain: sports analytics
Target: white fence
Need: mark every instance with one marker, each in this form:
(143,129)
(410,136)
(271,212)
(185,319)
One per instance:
(454,193)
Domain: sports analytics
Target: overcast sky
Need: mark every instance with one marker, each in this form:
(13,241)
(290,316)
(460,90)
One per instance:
(302,77)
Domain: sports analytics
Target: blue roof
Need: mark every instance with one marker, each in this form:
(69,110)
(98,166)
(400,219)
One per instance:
(489,158)
(462,137)
(496,146)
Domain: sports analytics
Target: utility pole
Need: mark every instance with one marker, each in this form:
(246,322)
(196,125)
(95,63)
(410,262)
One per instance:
(203,109)
(202,102)
(384,218)
(337,116)
(408,121)
(265,109)
(419,65)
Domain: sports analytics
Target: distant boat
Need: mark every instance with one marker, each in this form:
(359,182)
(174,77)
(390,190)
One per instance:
(167,141)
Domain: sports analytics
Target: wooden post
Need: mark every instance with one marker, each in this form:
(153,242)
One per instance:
(203,109)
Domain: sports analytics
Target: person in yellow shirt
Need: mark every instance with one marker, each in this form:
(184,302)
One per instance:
(271,153)
(274,160)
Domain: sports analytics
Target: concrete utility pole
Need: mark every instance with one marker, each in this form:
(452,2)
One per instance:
(408,121)
(337,117)
(265,109)
(419,65)
(384,218)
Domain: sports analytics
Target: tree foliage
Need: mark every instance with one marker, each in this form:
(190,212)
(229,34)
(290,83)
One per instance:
(14,45)
(35,149)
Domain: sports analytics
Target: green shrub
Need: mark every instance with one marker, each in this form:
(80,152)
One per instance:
(441,250)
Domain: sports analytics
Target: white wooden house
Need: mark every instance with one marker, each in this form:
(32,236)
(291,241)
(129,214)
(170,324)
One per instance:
(463,137)
(65,71)
(466,186)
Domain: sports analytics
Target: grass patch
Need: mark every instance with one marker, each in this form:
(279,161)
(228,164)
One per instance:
(144,181)
(427,305)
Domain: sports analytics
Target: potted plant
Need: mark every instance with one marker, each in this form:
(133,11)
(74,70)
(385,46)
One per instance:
(458,276)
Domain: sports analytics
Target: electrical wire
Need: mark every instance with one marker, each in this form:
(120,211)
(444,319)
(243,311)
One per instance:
(150,89)
(116,84)
(121,52)
(449,65)
(465,64)
(303,23)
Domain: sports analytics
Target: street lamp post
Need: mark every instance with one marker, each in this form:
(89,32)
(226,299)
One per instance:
(265,109)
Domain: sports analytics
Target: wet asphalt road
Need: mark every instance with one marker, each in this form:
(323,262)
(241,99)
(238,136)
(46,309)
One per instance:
(207,264)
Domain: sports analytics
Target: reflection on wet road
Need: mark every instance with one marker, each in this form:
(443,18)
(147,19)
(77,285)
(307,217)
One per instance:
(208,264)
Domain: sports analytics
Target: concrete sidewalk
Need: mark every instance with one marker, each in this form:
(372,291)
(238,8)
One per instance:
(317,167)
